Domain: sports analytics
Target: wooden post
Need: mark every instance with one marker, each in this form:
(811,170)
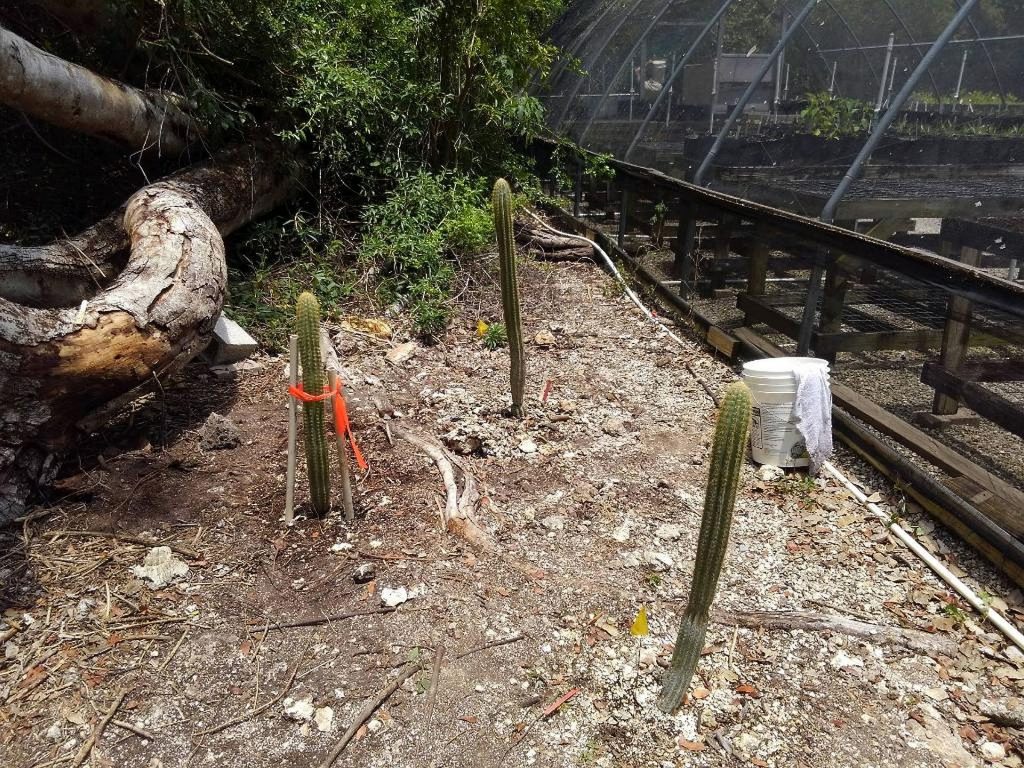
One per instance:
(346,481)
(625,211)
(293,379)
(803,343)
(757,277)
(577,192)
(682,246)
(956,335)
(836,285)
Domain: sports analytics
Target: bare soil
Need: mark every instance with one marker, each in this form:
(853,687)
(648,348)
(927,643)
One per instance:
(594,502)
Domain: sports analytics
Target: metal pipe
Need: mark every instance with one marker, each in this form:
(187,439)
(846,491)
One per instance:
(715,72)
(988,56)
(960,77)
(832,81)
(885,76)
(828,212)
(675,73)
(709,159)
(570,55)
(780,66)
(928,44)
(596,57)
(910,37)
(618,72)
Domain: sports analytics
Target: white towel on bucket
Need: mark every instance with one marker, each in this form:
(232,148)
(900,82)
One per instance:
(813,412)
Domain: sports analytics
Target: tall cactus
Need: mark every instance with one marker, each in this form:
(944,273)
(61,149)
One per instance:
(501,201)
(727,454)
(307,321)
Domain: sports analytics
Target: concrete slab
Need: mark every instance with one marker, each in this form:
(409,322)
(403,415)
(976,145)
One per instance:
(230,343)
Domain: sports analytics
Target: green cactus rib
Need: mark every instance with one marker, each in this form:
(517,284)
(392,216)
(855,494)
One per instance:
(501,201)
(307,321)
(727,455)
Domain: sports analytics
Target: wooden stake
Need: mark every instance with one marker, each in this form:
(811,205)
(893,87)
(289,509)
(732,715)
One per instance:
(293,379)
(346,483)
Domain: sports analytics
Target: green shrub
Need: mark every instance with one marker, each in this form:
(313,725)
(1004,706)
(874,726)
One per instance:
(411,236)
(833,116)
(495,337)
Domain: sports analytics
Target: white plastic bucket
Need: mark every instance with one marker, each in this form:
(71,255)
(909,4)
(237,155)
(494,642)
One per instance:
(774,438)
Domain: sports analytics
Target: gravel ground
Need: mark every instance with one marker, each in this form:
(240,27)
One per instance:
(593,504)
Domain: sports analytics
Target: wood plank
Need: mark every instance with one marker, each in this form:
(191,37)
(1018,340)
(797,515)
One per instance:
(993,370)
(722,341)
(1010,512)
(921,340)
(956,335)
(982,401)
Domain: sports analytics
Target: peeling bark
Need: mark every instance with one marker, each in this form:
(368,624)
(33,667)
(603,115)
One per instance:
(57,365)
(65,94)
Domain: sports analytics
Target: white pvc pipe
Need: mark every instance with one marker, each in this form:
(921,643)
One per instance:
(615,273)
(998,621)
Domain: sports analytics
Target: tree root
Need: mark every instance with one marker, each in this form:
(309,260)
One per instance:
(459,514)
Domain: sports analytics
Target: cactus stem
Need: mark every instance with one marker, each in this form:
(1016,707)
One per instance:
(501,201)
(307,321)
(727,455)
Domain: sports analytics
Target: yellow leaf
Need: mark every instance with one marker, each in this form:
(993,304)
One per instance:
(481,328)
(639,628)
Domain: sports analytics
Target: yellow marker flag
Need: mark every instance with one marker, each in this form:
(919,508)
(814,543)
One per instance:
(481,328)
(639,628)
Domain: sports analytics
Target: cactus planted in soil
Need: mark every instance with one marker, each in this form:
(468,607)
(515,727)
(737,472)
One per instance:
(307,317)
(727,455)
(501,201)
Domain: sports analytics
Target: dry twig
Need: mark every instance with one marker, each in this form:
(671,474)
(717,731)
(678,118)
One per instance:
(435,677)
(913,639)
(371,706)
(86,748)
(186,551)
(492,644)
(264,708)
(328,619)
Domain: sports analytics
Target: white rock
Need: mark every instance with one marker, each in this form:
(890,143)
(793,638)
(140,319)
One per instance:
(160,568)
(54,733)
(659,561)
(341,546)
(392,598)
(374,725)
(528,446)
(769,473)
(630,559)
(299,709)
(843,661)
(993,750)
(401,353)
(554,522)
(621,534)
(746,743)
(669,532)
(324,719)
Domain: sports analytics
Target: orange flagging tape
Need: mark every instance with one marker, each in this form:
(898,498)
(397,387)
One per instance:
(341,422)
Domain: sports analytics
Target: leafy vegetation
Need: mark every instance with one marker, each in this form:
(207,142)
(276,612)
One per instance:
(495,337)
(411,236)
(831,116)
(400,110)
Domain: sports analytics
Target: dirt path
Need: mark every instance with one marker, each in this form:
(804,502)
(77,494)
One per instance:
(595,505)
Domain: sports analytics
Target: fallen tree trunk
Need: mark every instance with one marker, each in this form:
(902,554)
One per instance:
(57,365)
(65,94)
